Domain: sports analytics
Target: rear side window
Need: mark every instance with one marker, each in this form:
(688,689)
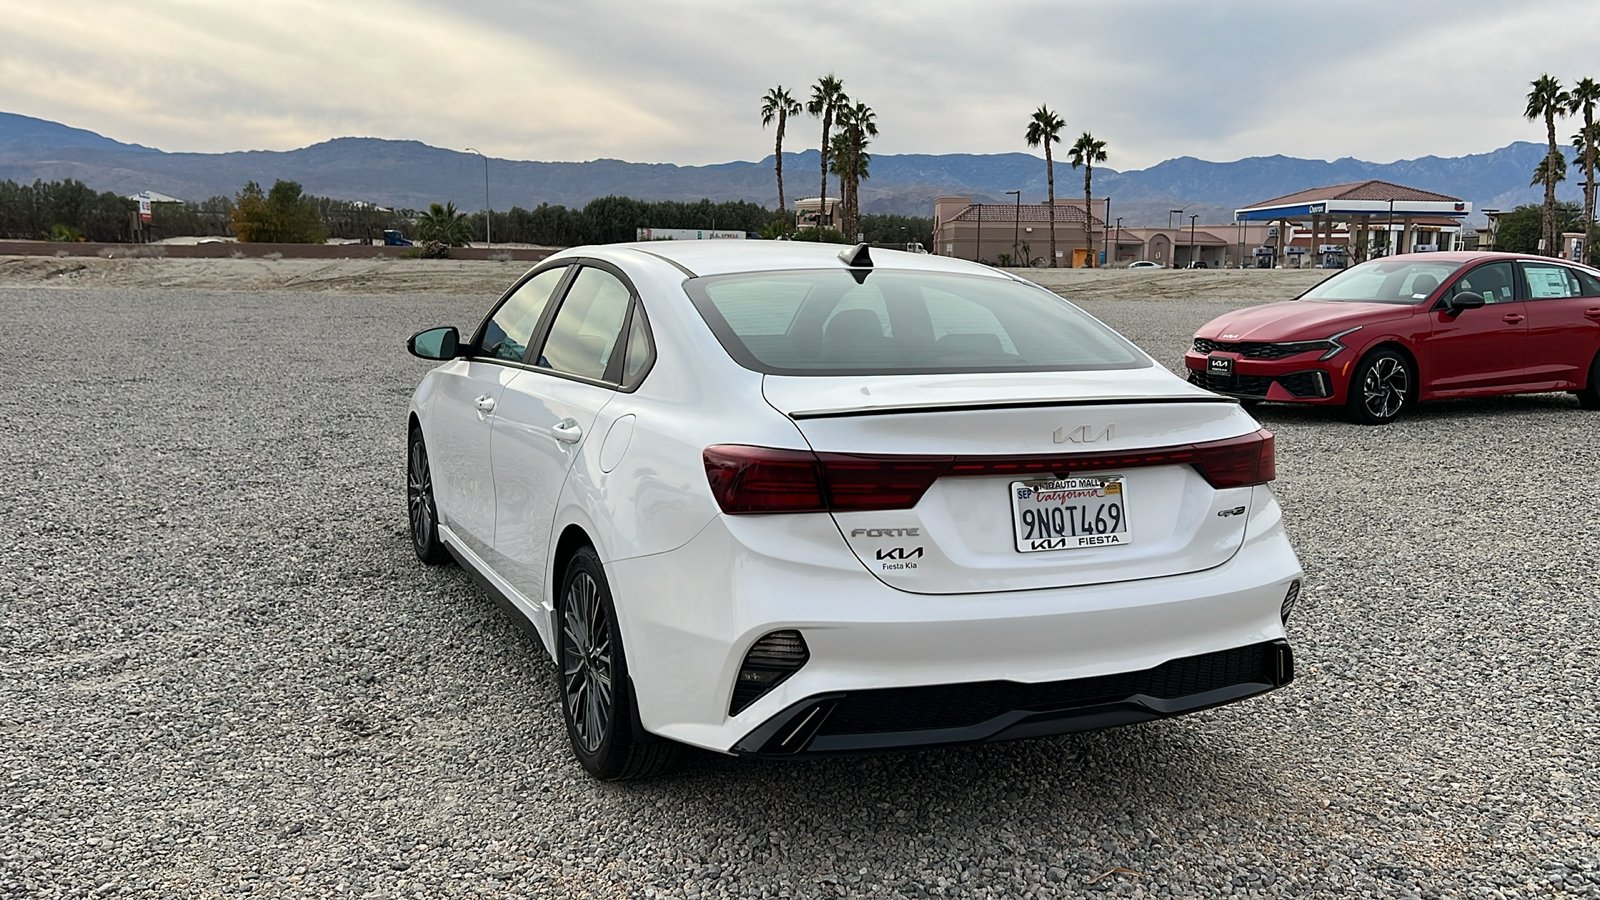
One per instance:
(1549,281)
(585,331)
(823,322)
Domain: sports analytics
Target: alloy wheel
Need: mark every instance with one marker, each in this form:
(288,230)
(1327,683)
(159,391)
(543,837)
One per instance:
(1385,387)
(586,661)
(419,495)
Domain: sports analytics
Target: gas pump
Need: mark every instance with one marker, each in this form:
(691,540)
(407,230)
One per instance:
(1333,256)
(1266,257)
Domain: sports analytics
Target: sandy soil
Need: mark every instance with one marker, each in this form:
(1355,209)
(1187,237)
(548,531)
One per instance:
(424,276)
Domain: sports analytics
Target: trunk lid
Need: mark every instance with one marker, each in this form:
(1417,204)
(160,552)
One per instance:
(961,537)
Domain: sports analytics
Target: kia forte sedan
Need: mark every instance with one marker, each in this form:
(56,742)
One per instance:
(1381,336)
(772,499)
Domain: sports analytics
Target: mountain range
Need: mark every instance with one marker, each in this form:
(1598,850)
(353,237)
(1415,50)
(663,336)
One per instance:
(410,174)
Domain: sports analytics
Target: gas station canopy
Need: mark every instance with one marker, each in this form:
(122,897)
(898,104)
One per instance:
(1361,198)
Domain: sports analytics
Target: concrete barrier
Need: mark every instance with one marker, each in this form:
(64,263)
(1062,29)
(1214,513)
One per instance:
(226,249)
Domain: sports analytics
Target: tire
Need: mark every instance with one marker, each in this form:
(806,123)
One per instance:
(1589,397)
(420,507)
(1382,385)
(596,695)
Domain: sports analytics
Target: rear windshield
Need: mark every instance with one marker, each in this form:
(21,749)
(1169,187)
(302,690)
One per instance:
(822,322)
(1384,281)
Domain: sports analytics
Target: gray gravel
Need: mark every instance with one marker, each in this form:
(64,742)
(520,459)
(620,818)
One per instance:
(222,671)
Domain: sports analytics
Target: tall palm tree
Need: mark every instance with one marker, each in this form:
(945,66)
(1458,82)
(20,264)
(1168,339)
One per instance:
(1585,94)
(858,124)
(826,96)
(778,104)
(1045,128)
(1547,100)
(1087,151)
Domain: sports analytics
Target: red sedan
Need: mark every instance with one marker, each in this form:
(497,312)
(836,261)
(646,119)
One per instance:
(1380,336)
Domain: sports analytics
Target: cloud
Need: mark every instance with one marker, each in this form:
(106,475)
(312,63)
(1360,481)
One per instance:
(681,82)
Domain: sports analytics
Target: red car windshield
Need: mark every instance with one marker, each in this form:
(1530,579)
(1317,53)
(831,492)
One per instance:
(1385,281)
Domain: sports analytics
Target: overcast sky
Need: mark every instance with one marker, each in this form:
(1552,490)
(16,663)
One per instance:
(681,82)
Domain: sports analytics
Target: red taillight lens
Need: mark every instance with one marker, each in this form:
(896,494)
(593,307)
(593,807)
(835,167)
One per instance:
(767,480)
(764,480)
(1238,462)
(860,482)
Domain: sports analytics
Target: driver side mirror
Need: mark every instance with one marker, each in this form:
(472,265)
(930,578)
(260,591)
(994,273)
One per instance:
(1463,301)
(435,343)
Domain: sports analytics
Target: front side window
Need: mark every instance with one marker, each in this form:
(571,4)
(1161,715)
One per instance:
(586,327)
(1547,282)
(1493,281)
(1384,281)
(506,334)
(824,322)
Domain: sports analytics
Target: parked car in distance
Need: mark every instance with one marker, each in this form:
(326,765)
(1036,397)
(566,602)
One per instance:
(1383,335)
(771,499)
(1144,264)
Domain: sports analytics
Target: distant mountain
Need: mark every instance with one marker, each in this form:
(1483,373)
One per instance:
(410,174)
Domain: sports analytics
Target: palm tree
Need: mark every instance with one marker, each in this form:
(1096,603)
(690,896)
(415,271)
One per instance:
(1087,151)
(1547,100)
(1045,128)
(1584,96)
(778,104)
(826,95)
(445,225)
(1542,173)
(858,124)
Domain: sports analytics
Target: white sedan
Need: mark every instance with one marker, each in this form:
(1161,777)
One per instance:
(774,499)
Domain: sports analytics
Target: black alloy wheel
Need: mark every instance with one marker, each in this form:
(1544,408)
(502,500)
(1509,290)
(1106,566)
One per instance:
(1589,397)
(596,695)
(424,514)
(1381,386)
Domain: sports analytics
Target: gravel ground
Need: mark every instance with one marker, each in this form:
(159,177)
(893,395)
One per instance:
(222,671)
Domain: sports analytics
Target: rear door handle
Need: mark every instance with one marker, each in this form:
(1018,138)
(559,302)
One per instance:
(1511,319)
(485,404)
(566,431)
(1593,313)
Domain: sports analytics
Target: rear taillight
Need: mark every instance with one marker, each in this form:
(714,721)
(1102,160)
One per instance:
(1238,462)
(767,480)
(764,479)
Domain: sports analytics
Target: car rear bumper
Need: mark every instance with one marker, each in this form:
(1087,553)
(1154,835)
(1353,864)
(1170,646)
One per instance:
(689,617)
(1292,380)
(949,714)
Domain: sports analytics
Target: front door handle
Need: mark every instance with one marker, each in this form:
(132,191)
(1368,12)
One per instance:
(1511,318)
(1593,313)
(485,404)
(566,431)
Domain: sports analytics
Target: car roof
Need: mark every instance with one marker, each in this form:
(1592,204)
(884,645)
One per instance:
(1470,256)
(723,257)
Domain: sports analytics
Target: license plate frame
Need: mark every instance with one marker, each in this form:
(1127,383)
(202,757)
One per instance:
(1076,506)
(1220,369)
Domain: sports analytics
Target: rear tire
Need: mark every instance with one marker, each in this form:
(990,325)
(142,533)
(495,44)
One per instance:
(1589,397)
(1382,385)
(596,696)
(423,512)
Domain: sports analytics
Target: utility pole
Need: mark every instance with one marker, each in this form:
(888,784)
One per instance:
(488,211)
(1016,222)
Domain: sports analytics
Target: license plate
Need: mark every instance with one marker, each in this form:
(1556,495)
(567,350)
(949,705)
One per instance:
(1220,367)
(1069,513)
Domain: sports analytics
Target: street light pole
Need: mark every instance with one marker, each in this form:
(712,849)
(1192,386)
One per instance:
(1388,230)
(488,211)
(1016,221)
(1193,253)
(1116,248)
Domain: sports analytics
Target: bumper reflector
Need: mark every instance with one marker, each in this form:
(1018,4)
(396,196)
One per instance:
(1289,599)
(770,660)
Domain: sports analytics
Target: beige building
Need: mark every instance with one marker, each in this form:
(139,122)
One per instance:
(998,233)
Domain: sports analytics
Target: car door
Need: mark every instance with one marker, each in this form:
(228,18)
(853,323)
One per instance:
(461,416)
(1563,322)
(1478,349)
(547,416)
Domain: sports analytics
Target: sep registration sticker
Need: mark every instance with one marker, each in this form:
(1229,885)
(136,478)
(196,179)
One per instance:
(1069,513)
